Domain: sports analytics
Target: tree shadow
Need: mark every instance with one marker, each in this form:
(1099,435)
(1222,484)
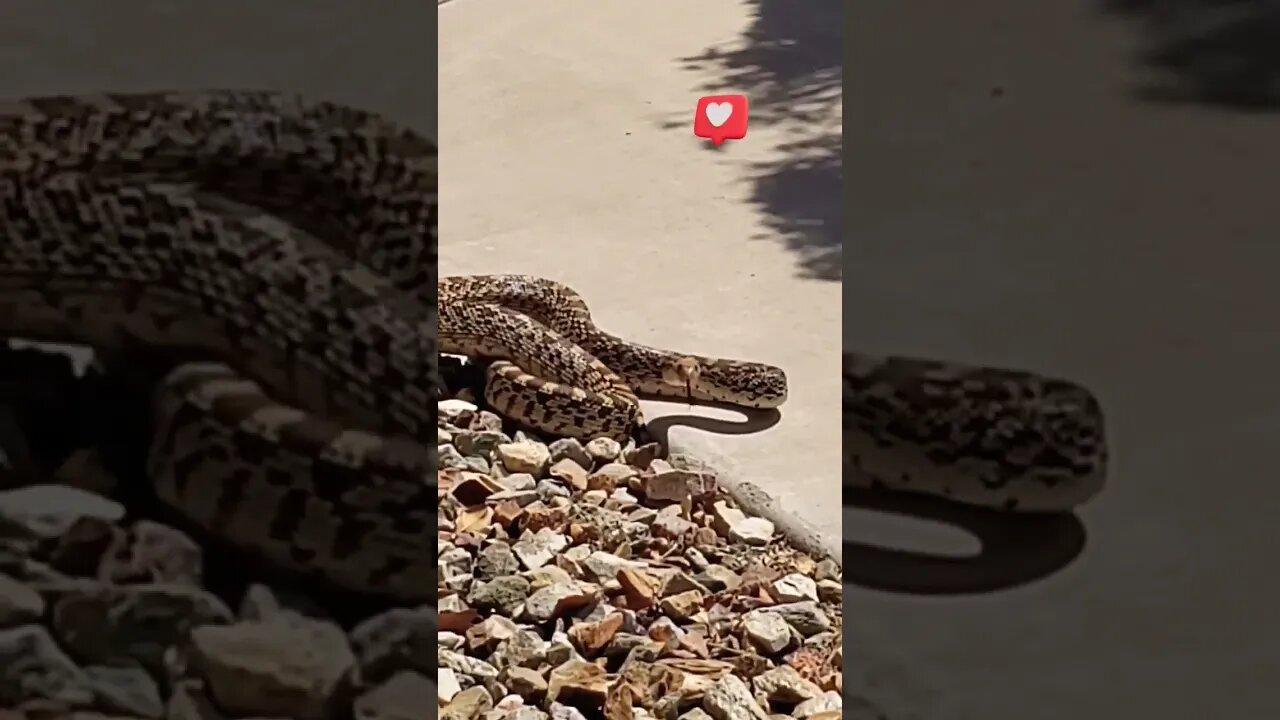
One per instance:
(1220,53)
(788,63)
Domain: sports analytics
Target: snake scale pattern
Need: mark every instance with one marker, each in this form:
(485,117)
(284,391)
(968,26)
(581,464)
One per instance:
(1002,439)
(557,372)
(290,247)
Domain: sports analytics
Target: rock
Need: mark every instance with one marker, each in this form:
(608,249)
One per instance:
(783,684)
(474,668)
(526,682)
(524,457)
(570,473)
(565,571)
(806,617)
(752,531)
(611,476)
(603,450)
(730,699)
(467,705)
(830,591)
(398,639)
(591,637)
(50,510)
(814,708)
(496,560)
(732,523)
(768,632)
(506,594)
(640,588)
(287,668)
(794,588)
(667,484)
(539,548)
(127,690)
(19,604)
(560,599)
(577,681)
(682,606)
(570,449)
(446,685)
(121,625)
(399,698)
(33,667)
(556,559)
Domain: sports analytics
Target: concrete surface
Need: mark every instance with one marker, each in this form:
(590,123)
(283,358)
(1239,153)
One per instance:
(324,48)
(1028,191)
(567,152)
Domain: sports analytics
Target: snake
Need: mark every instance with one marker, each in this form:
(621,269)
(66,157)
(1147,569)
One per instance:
(1001,439)
(554,370)
(281,253)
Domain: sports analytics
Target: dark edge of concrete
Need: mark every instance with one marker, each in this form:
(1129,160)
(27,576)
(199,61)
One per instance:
(755,501)
(798,531)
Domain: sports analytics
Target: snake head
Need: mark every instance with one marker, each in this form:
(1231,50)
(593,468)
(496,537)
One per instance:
(684,373)
(744,384)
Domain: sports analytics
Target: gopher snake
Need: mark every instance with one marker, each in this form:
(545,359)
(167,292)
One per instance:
(1002,439)
(559,373)
(293,240)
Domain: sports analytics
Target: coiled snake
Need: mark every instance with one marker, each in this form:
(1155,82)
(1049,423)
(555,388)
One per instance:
(293,241)
(559,373)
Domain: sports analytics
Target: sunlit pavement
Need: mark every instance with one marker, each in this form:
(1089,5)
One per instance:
(568,152)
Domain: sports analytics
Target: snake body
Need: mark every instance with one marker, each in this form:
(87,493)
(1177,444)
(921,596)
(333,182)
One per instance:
(1002,439)
(558,372)
(290,245)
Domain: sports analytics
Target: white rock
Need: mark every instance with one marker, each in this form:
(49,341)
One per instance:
(794,588)
(752,531)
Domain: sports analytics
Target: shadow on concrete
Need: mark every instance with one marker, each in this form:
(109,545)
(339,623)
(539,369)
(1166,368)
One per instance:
(1012,414)
(1220,53)
(788,63)
(1016,549)
(753,421)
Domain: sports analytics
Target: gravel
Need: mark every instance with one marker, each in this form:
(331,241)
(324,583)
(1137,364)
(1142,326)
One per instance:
(608,580)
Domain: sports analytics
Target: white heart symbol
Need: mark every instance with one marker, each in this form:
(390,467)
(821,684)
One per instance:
(717,113)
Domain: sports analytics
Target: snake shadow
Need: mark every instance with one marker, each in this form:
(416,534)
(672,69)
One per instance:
(658,429)
(1016,549)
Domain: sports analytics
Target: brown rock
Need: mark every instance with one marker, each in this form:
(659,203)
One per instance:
(640,589)
(474,488)
(526,682)
(458,621)
(577,680)
(507,512)
(476,520)
(682,606)
(570,473)
(590,637)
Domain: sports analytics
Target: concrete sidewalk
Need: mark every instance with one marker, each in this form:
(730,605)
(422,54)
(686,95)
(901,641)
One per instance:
(567,152)
(1060,188)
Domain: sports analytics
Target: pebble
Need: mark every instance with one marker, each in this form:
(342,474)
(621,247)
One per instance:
(615,582)
(576,580)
